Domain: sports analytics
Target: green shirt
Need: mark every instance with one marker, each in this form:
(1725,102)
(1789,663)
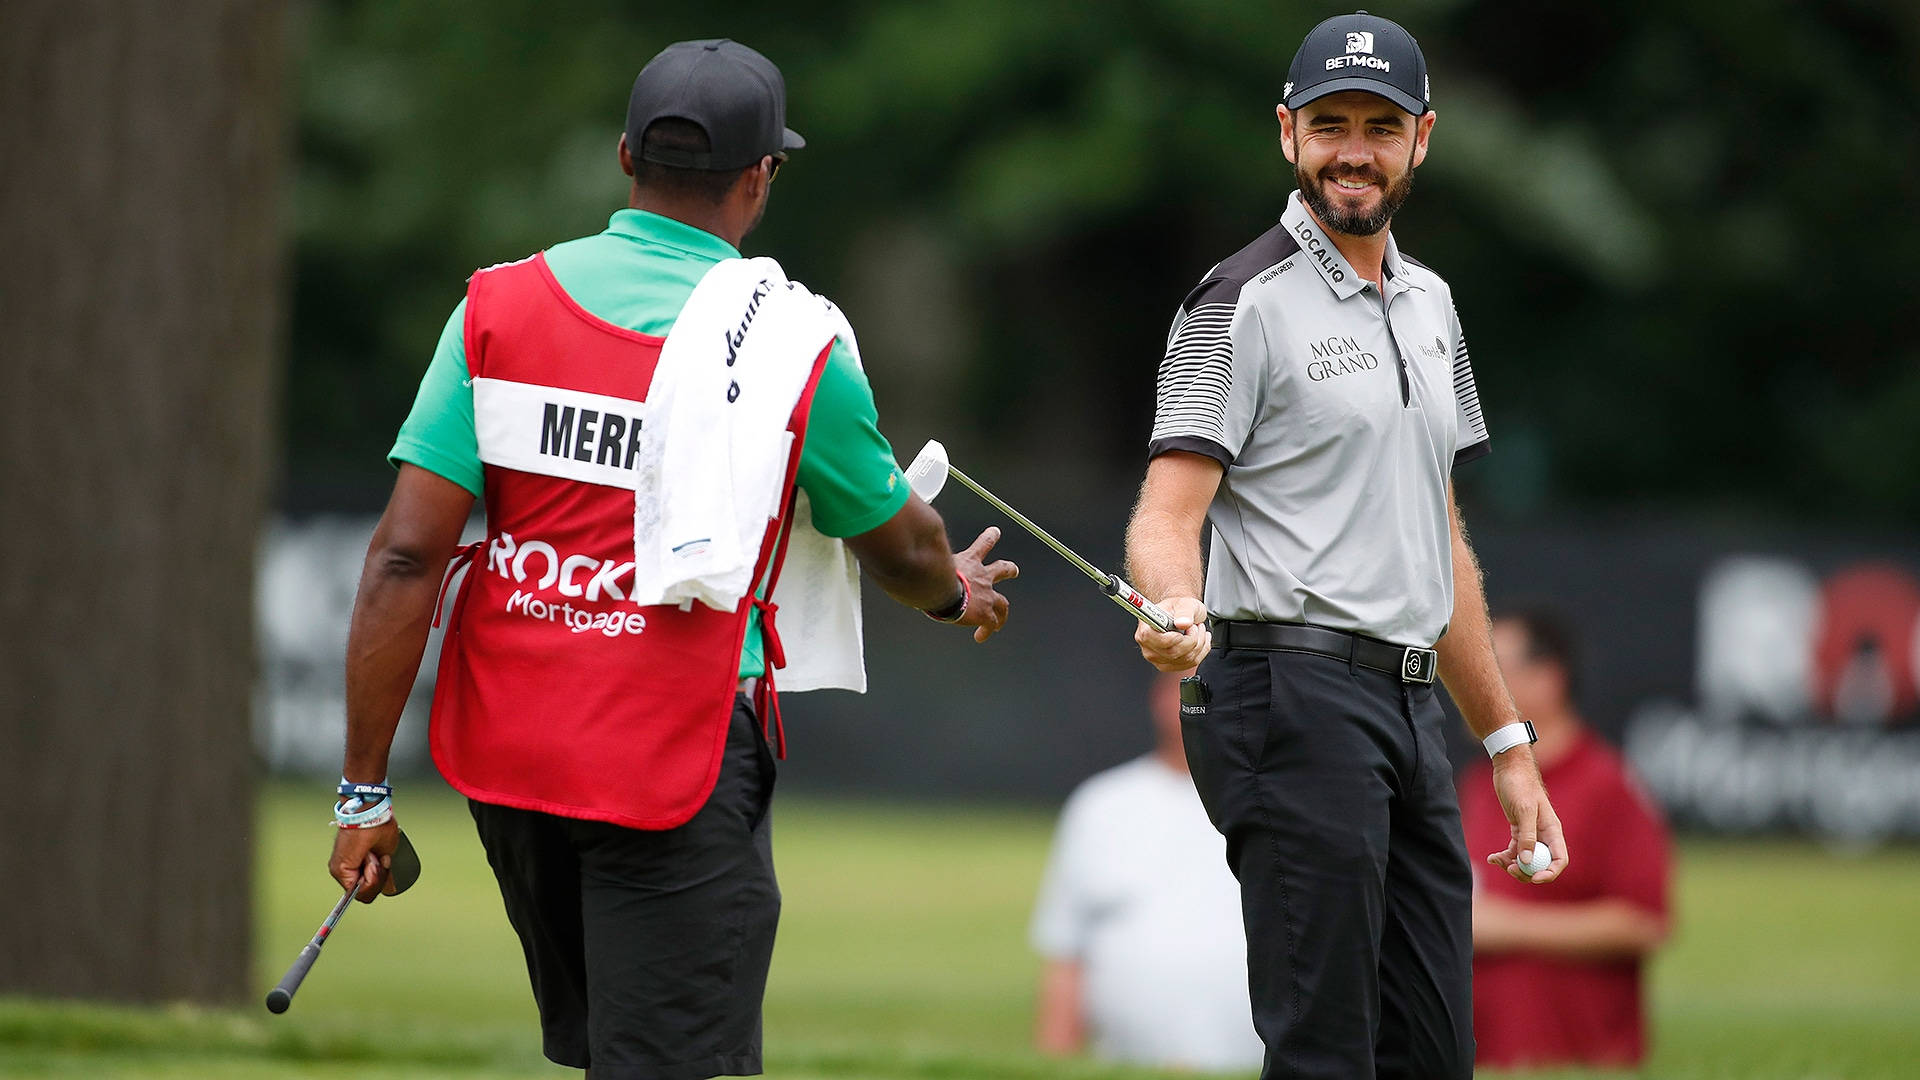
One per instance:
(638,274)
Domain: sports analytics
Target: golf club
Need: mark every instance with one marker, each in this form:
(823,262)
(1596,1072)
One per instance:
(928,475)
(403,870)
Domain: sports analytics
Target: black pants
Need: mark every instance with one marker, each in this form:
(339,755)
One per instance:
(648,950)
(1331,785)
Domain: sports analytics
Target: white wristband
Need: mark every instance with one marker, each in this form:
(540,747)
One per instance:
(1506,738)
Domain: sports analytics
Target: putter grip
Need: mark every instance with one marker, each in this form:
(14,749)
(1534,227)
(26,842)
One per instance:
(281,996)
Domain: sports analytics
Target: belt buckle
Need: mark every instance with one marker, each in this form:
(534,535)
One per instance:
(1418,665)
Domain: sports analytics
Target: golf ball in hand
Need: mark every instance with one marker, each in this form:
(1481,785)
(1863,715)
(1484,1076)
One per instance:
(1540,860)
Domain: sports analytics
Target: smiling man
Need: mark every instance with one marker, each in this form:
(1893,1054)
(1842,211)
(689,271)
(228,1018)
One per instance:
(1314,400)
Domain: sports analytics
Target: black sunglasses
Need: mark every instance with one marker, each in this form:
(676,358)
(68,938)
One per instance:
(773,170)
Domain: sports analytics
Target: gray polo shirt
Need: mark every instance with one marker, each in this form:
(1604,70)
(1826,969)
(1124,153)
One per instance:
(1338,419)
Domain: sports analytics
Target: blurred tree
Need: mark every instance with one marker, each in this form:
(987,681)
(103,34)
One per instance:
(140,298)
(1655,218)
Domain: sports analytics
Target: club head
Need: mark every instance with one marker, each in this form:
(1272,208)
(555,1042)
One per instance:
(404,870)
(928,473)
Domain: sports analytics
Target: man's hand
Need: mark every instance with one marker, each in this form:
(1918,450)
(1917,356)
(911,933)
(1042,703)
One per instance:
(1189,643)
(364,855)
(1530,817)
(986,609)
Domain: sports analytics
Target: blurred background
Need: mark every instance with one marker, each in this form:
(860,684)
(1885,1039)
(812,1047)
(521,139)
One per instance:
(1680,240)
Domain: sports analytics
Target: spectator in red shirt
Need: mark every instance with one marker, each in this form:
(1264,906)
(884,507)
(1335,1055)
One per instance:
(1557,972)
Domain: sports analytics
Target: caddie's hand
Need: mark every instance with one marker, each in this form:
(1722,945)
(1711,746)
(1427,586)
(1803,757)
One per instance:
(1186,646)
(364,855)
(986,609)
(1530,816)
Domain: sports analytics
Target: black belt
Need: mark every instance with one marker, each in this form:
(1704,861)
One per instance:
(1407,663)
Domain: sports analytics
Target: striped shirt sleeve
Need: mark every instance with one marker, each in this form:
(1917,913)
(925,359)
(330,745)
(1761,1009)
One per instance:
(1197,401)
(1471,441)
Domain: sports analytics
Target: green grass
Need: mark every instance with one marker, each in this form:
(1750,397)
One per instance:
(902,955)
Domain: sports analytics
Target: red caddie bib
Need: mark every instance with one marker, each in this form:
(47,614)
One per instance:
(555,692)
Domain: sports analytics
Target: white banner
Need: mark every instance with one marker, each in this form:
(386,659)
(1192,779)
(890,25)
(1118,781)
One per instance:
(565,433)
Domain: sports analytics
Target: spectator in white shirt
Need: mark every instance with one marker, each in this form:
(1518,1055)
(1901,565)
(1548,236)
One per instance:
(1138,920)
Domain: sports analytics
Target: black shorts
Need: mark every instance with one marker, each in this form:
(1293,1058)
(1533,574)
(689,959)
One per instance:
(648,950)
(1332,786)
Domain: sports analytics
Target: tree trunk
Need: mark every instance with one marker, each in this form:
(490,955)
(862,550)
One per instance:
(141,150)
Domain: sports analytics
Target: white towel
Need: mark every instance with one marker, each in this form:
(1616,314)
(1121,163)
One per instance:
(712,464)
(819,598)
(819,593)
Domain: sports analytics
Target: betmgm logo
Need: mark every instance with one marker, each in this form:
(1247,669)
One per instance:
(1359,54)
(1807,711)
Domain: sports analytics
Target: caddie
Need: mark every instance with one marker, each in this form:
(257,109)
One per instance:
(1314,398)
(662,433)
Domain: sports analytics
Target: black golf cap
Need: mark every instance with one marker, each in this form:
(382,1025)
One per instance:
(737,96)
(1359,52)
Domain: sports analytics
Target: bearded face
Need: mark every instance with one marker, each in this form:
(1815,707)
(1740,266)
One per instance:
(1353,156)
(1358,200)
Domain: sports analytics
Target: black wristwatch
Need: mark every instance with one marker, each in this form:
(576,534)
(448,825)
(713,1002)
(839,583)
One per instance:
(955,611)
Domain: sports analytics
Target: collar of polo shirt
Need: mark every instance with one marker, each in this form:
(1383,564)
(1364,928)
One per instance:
(649,227)
(1323,256)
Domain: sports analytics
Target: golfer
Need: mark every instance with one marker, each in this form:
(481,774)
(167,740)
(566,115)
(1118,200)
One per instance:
(1314,399)
(623,404)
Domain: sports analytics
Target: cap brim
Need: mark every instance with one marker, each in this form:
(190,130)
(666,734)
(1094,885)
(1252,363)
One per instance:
(1357,82)
(791,140)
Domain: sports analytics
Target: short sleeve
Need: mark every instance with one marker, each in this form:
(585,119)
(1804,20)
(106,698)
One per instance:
(1205,394)
(1472,441)
(1063,914)
(846,465)
(438,434)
